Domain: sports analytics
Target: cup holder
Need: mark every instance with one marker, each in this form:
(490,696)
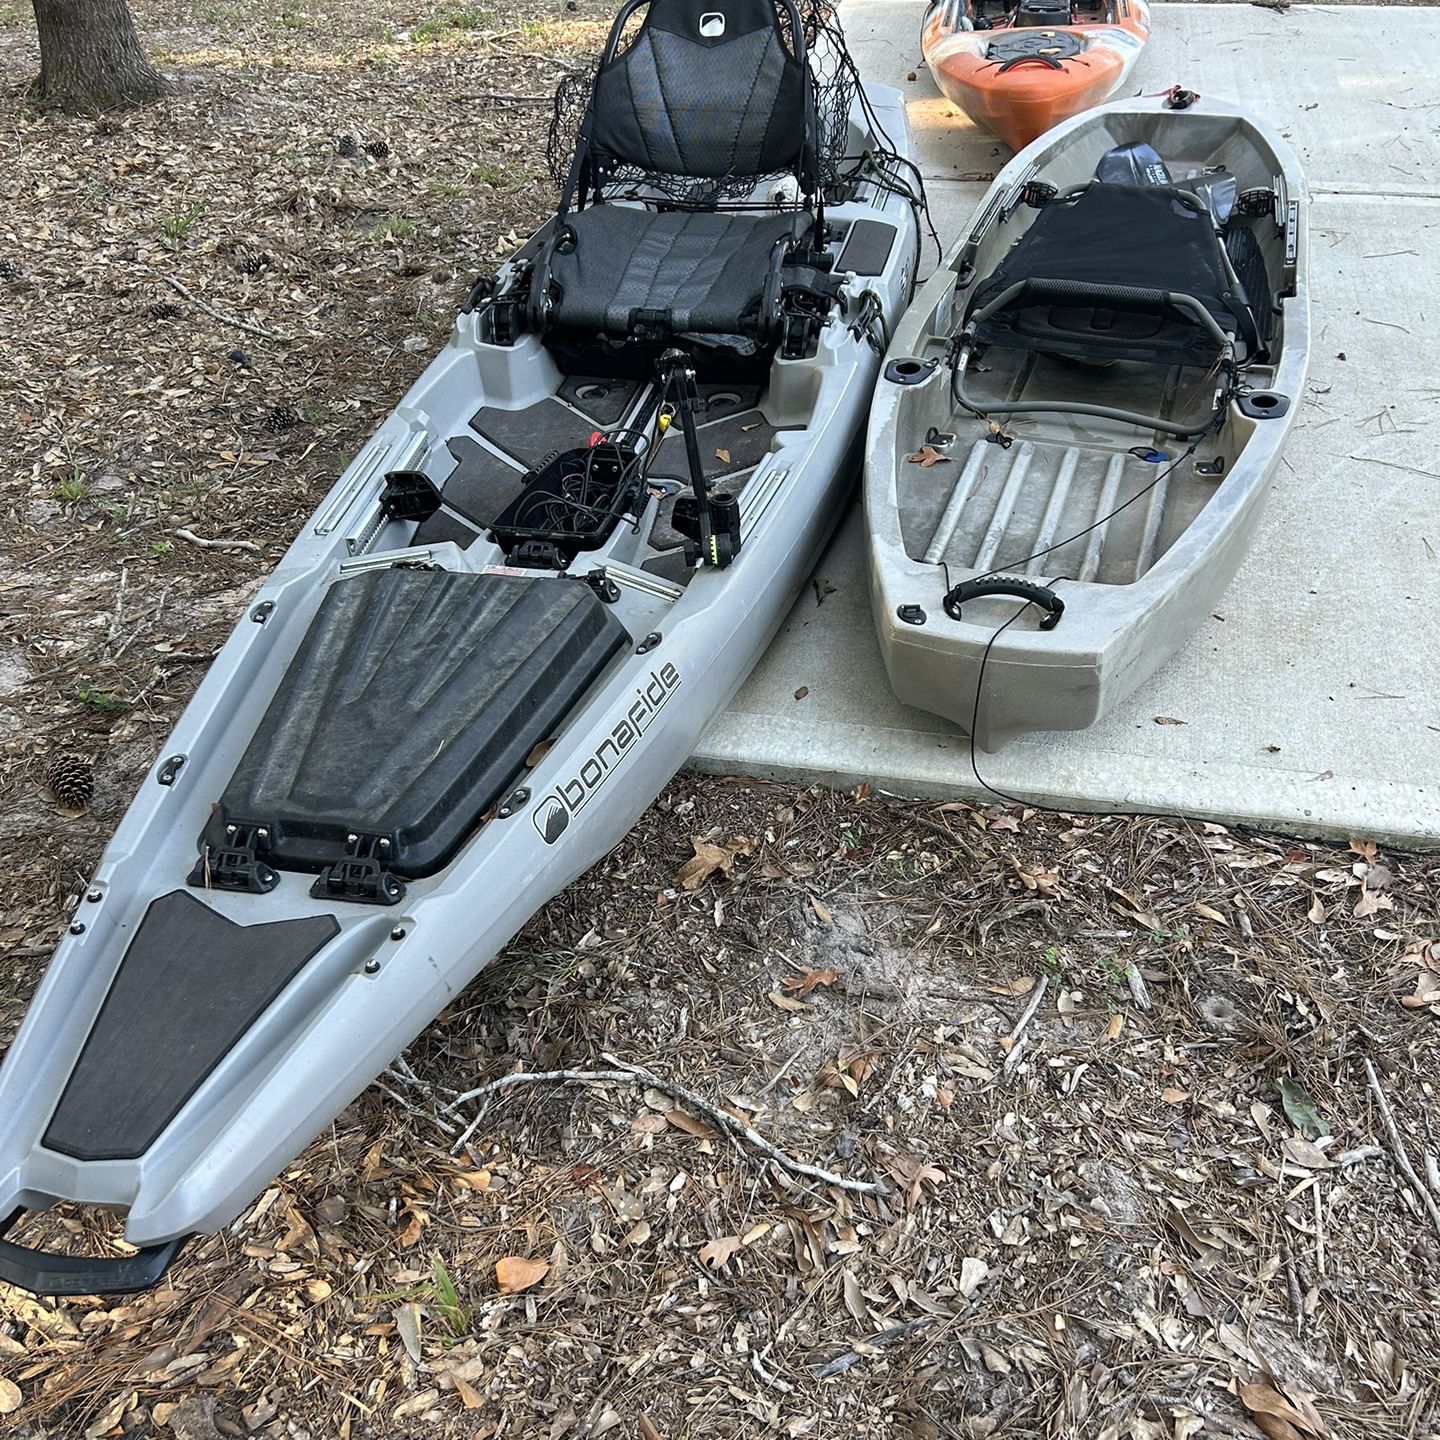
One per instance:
(910,371)
(1264,404)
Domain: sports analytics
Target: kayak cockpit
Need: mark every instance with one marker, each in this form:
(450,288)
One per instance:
(1085,408)
(1111,331)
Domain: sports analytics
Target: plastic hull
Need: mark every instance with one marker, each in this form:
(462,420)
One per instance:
(1052,74)
(1134,587)
(386,971)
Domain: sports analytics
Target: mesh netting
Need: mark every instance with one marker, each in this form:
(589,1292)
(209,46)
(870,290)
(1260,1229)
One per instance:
(832,72)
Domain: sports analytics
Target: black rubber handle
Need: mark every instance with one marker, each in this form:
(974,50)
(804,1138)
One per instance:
(1030,60)
(1040,595)
(43,1273)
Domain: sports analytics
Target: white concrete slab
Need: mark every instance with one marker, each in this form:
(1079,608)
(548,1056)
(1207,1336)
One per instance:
(1311,701)
(1350,88)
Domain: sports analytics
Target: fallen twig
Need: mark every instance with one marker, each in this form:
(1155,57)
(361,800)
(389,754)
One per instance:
(219,315)
(842,1363)
(191,538)
(958,841)
(633,1075)
(445,1126)
(1200,1408)
(501,96)
(1010,912)
(1017,1043)
(1398,1147)
(757,1364)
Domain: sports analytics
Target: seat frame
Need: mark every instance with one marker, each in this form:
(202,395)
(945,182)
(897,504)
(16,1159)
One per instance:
(808,285)
(967,344)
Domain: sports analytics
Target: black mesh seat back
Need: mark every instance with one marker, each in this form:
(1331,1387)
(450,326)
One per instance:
(707,88)
(1142,238)
(706,272)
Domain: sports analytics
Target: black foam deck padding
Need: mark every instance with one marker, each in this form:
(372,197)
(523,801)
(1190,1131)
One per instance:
(408,711)
(442,527)
(534,432)
(744,436)
(605,401)
(867,248)
(479,487)
(670,566)
(191,983)
(718,400)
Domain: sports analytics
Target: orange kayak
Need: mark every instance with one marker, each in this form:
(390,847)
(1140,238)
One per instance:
(1020,72)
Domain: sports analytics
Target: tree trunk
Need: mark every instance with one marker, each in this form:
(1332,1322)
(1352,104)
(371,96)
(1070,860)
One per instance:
(91,59)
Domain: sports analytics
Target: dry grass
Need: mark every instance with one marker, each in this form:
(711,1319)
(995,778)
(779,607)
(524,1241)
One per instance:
(1121,1238)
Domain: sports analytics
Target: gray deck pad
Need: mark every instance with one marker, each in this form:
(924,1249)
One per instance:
(479,487)
(737,442)
(190,985)
(605,401)
(534,432)
(867,247)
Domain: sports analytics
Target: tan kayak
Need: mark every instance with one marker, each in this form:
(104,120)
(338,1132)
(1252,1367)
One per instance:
(1070,448)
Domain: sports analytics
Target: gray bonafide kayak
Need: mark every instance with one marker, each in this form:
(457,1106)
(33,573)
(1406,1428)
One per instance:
(500,634)
(1071,446)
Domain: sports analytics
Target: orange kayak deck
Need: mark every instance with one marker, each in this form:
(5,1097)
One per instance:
(1018,81)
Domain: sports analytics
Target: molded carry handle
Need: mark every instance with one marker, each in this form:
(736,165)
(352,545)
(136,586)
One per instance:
(1049,60)
(44,1273)
(1046,599)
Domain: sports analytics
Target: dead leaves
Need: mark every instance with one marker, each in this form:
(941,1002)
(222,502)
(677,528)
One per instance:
(712,859)
(9,1396)
(1376,881)
(514,1273)
(1282,1418)
(1426,994)
(802,984)
(850,1070)
(1020,985)
(1036,878)
(927,456)
(408,1326)
(718,1253)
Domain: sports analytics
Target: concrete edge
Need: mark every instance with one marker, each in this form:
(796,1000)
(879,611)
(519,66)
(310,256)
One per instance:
(1230,794)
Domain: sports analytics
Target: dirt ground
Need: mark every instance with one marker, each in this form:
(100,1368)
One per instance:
(1104,1084)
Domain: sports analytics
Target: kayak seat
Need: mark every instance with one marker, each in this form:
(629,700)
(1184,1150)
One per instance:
(1117,272)
(677,271)
(687,116)
(406,715)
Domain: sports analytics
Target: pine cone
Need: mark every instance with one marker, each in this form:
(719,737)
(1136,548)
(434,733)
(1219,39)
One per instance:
(377,149)
(9,270)
(281,419)
(347,146)
(164,310)
(72,781)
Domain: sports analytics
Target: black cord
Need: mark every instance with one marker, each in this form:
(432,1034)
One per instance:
(918,200)
(975,714)
(1005,625)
